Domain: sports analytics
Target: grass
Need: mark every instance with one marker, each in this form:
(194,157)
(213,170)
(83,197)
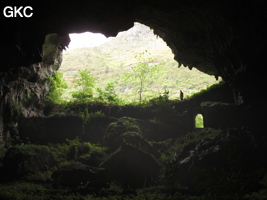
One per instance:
(21,190)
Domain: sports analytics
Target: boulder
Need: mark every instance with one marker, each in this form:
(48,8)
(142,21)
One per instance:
(232,161)
(81,175)
(115,131)
(138,141)
(77,150)
(24,160)
(94,159)
(126,130)
(133,167)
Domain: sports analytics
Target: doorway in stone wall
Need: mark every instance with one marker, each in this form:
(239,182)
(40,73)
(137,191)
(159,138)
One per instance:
(199,121)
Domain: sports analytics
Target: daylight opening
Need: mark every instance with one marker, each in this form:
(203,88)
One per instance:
(135,66)
(199,121)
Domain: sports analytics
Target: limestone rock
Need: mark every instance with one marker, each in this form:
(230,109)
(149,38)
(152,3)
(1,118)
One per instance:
(132,167)
(115,131)
(25,160)
(22,94)
(126,131)
(79,174)
(228,162)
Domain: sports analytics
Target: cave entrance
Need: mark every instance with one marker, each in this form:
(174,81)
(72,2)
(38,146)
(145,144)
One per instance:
(199,121)
(108,59)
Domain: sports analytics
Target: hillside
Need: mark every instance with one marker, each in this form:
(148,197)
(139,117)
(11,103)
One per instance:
(110,61)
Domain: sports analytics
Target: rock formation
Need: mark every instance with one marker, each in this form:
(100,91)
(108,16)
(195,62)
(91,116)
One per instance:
(23,89)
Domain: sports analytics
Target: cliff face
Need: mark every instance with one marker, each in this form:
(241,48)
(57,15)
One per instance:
(22,93)
(22,90)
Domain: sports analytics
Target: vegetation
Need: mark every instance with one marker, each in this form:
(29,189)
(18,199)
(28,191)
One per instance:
(109,94)
(126,69)
(142,74)
(121,58)
(84,85)
(57,86)
(85,91)
(75,151)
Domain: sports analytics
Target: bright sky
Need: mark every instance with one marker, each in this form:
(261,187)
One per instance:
(86,39)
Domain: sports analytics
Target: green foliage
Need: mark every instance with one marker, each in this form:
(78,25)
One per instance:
(142,74)
(161,100)
(73,149)
(109,95)
(111,60)
(131,125)
(84,85)
(38,191)
(57,86)
(98,114)
(85,116)
(15,108)
(75,152)
(23,190)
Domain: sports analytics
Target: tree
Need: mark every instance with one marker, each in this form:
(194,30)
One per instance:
(84,84)
(143,73)
(57,86)
(109,95)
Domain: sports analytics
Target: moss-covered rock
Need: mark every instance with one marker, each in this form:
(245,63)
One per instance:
(133,167)
(76,175)
(77,150)
(232,162)
(25,160)
(115,131)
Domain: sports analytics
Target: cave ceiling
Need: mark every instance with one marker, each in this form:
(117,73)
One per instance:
(223,38)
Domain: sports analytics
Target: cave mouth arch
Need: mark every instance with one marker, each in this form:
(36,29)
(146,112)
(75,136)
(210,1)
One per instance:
(201,35)
(129,44)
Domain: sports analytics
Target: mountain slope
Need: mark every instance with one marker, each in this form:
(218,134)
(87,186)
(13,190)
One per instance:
(108,62)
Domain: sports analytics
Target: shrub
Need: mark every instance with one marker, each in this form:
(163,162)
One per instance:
(84,85)
(57,86)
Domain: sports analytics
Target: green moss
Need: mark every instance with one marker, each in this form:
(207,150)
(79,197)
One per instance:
(260,195)
(15,108)
(24,190)
(76,150)
(195,136)
(131,124)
